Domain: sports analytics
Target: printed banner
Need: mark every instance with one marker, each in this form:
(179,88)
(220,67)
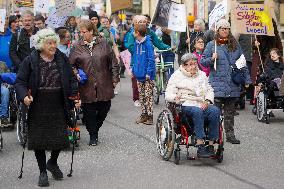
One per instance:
(126,59)
(41,6)
(55,21)
(252,19)
(177,17)
(162,12)
(219,11)
(117,5)
(65,7)
(2,19)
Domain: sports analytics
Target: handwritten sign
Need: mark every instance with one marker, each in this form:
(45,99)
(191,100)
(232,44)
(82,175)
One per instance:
(219,11)
(55,21)
(177,17)
(41,6)
(64,7)
(252,19)
(121,4)
(2,19)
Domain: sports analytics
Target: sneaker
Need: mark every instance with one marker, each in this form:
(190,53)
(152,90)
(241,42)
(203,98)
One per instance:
(43,180)
(236,113)
(5,122)
(142,119)
(271,114)
(210,150)
(232,139)
(202,151)
(137,103)
(149,120)
(115,92)
(55,171)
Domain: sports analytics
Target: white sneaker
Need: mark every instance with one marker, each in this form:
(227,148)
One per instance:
(115,92)
(137,103)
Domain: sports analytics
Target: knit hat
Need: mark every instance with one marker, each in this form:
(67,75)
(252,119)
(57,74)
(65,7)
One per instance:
(223,23)
(93,14)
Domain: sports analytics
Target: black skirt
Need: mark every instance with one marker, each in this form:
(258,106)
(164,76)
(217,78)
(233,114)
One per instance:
(47,128)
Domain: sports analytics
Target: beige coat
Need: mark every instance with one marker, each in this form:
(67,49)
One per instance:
(193,89)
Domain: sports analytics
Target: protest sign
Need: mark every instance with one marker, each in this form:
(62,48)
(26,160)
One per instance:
(2,19)
(252,19)
(126,59)
(55,21)
(177,17)
(65,7)
(219,11)
(117,5)
(162,11)
(41,6)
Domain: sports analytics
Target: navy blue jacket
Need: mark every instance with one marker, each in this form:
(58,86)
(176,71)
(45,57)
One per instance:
(220,79)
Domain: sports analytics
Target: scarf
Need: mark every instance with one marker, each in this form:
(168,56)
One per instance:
(222,41)
(91,44)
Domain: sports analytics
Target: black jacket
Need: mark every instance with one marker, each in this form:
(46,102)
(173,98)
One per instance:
(274,69)
(20,49)
(183,46)
(28,77)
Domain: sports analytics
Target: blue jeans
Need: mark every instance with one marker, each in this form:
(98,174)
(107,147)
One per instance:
(4,102)
(198,116)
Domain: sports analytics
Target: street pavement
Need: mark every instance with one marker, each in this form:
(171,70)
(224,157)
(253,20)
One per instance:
(126,156)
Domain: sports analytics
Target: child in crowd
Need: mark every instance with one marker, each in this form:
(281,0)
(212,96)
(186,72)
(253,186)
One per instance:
(144,70)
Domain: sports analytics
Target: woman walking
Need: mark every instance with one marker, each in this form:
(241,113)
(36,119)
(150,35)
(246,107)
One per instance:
(45,82)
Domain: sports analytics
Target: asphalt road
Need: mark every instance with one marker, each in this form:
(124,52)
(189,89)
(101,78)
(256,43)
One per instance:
(126,157)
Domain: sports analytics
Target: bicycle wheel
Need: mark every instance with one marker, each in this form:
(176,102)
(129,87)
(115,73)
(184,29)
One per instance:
(156,94)
(21,123)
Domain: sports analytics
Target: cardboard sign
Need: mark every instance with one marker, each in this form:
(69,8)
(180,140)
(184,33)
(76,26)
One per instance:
(41,6)
(219,11)
(55,21)
(177,17)
(65,7)
(117,5)
(2,19)
(252,19)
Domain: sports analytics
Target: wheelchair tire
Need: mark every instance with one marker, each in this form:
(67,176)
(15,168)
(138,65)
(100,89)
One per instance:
(176,156)
(165,135)
(261,110)
(21,121)
(219,155)
(156,94)
(1,140)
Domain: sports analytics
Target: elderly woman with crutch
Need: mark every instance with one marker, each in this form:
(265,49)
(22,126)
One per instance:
(46,83)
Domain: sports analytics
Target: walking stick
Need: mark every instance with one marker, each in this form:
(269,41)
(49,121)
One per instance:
(25,137)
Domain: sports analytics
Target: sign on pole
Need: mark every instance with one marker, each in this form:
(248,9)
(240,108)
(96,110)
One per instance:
(252,19)
(117,5)
(55,21)
(2,19)
(219,11)
(41,6)
(64,7)
(177,17)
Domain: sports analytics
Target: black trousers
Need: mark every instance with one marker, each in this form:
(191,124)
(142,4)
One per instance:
(41,158)
(94,114)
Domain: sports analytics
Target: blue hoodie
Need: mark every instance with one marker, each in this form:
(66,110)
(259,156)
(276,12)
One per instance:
(4,44)
(144,60)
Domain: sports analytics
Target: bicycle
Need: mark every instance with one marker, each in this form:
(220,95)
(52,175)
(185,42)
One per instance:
(163,73)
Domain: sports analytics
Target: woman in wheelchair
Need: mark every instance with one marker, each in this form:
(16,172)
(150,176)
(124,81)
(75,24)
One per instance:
(190,87)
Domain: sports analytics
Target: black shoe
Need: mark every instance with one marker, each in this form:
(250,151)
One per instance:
(271,114)
(43,180)
(236,113)
(202,151)
(93,141)
(210,150)
(55,171)
(233,140)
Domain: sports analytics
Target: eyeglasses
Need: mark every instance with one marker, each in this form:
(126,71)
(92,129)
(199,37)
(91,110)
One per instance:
(224,29)
(200,42)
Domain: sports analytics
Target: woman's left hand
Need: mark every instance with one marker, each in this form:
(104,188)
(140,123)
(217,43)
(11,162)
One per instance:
(205,105)
(77,103)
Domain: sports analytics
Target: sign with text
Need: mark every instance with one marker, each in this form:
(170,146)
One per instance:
(177,17)
(252,19)
(2,19)
(117,5)
(41,6)
(219,11)
(65,7)
(55,21)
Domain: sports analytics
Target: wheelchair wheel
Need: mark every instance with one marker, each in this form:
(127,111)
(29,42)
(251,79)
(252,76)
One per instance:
(21,124)
(261,106)
(219,155)
(156,94)
(1,139)
(176,156)
(165,135)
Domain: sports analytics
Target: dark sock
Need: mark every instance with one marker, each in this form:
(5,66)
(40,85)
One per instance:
(41,160)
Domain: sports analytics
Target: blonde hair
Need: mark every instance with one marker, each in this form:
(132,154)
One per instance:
(42,36)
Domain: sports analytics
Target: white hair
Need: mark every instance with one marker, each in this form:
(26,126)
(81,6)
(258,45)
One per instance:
(201,23)
(42,36)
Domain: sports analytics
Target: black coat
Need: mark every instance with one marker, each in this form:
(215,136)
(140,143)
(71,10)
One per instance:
(28,78)
(183,46)
(274,69)
(20,47)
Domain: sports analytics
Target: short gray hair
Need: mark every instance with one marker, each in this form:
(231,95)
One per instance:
(186,57)
(27,12)
(42,36)
(201,23)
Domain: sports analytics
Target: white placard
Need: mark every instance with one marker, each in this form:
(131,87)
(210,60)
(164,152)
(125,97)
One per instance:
(55,21)
(219,11)
(177,17)
(2,19)
(65,7)
(41,6)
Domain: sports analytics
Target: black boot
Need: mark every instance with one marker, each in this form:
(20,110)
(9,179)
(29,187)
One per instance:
(54,169)
(202,151)
(231,138)
(43,179)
